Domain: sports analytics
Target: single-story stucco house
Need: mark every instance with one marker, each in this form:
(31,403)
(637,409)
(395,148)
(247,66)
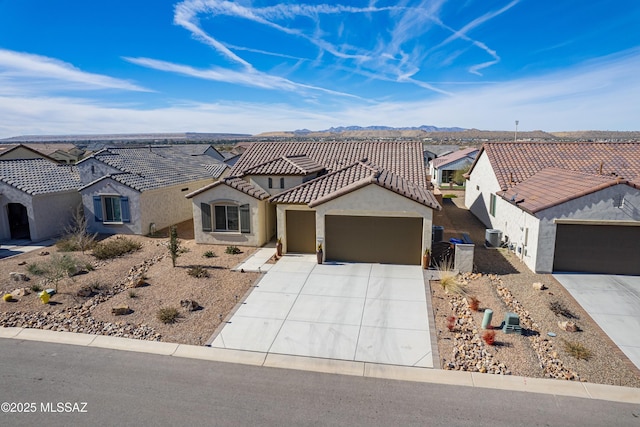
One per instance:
(363,201)
(442,169)
(38,198)
(561,206)
(139,190)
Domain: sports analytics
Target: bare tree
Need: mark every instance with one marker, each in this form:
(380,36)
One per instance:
(76,231)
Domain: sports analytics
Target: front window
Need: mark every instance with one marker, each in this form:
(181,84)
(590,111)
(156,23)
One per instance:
(232,218)
(112,211)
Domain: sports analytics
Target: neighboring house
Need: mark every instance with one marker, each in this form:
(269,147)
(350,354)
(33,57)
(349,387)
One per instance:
(433,151)
(38,198)
(139,190)
(61,153)
(562,206)
(200,150)
(443,169)
(21,152)
(363,201)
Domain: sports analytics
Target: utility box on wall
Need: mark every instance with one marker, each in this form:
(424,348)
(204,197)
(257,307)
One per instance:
(464,258)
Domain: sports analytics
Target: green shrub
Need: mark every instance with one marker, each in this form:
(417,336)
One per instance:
(67,245)
(168,315)
(209,254)
(233,250)
(577,350)
(198,272)
(115,247)
(36,288)
(35,269)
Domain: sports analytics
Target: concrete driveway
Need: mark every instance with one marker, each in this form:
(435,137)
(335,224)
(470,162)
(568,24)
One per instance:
(349,311)
(614,303)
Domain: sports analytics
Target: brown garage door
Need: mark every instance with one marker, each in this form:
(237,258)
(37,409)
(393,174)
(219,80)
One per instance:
(609,249)
(390,240)
(301,231)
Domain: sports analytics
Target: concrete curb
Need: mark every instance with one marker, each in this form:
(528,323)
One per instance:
(363,369)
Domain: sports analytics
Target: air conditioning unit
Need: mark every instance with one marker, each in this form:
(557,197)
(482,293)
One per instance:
(492,237)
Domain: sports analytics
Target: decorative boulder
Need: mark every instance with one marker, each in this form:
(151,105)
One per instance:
(20,292)
(190,305)
(539,286)
(18,277)
(568,326)
(121,311)
(84,292)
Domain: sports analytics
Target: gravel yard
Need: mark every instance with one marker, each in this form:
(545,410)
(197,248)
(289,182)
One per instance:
(534,354)
(164,286)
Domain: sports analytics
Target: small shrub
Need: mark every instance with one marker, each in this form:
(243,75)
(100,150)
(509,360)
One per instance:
(451,323)
(67,245)
(115,247)
(474,303)
(133,294)
(35,288)
(449,279)
(174,244)
(577,350)
(559,309)
(35,269)
(168,315)
(489,337)
(233,250)
(209,254)
(198,272)
(97,286)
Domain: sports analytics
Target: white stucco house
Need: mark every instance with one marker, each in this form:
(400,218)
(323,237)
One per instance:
(37,198)
(442,169)
(363,201)
(561,206)
(139,190)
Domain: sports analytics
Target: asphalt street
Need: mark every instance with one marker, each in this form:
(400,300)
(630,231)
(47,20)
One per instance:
(65,385)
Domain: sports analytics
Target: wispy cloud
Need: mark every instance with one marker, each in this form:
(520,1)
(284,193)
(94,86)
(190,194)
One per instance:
(250,78)
(26,67)
(599,94)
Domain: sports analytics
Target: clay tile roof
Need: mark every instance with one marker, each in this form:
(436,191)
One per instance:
(39,176)
(351,178)
(402,158)
(553,186)
(469,153)
(237,183)
(286,165)
(515,162)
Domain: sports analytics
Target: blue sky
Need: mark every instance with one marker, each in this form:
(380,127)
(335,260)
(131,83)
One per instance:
(71,66)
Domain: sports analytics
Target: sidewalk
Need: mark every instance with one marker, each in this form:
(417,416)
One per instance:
(19,247)
(362,369)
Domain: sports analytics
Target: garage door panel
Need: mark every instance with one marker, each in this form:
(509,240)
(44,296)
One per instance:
(301,231)
(607,249)
(392,240)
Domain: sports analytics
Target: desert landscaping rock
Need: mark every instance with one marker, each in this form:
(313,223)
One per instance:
(18,277)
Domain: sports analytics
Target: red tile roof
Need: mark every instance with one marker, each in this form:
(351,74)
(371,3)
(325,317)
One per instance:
(237,183)
(515,162)
(553,186)
(401,158)
(469,152)
(286,165)
(350,178)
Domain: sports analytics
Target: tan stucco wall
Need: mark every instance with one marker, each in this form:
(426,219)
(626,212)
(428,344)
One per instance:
(21,153)
(371,200)
(167,206)
(263,182)
(222,194)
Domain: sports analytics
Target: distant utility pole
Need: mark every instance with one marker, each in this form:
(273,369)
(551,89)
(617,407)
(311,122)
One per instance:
(515,137)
